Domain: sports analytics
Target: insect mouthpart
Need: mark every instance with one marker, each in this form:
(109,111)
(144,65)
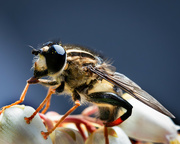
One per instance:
(33,80)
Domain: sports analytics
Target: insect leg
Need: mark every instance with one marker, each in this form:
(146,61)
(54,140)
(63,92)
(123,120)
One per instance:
(106,135)
(107,114)
(58,90)
(77,104)
(76,98)
(44,82)
(47,103)
(22,97)
(51,91)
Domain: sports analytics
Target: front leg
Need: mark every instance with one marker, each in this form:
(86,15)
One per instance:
(47,99)
(22,97)
(77,104)
(32,80)
(59,89)
(44,82)
(50,92)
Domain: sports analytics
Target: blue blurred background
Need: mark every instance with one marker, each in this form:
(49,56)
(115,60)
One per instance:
(141,37)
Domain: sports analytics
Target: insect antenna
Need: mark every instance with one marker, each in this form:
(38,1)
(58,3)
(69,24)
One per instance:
(34,51)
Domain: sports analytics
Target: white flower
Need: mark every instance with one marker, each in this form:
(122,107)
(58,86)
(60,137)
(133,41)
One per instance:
(146,124)
(66,136)
(15,130)
(115,135)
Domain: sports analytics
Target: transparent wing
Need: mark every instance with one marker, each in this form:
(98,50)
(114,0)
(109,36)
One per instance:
(132,88)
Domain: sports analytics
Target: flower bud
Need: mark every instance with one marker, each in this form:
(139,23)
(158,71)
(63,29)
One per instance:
(15,130)
(115,135)
(66,136)
(147,124)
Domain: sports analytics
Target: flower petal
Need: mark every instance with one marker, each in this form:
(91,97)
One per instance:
(14,129)
(115,135)
(66,136)
(146,124)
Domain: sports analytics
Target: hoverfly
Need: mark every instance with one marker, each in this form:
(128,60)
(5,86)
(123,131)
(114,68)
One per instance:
(87,77)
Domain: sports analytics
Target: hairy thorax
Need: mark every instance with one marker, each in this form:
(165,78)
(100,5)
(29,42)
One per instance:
(76,75)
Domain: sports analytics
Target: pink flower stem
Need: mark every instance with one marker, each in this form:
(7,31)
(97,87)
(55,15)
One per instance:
(81,131)
(79,120)
(47,121)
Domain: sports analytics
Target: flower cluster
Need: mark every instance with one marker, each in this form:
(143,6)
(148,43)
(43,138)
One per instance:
(145,126)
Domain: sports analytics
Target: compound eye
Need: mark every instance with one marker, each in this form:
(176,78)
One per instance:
(55,58)
(57,49)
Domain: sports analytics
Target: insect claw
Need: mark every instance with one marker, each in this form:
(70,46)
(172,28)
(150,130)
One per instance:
(27,120)
(77,102)
(45,134)
(2,110)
